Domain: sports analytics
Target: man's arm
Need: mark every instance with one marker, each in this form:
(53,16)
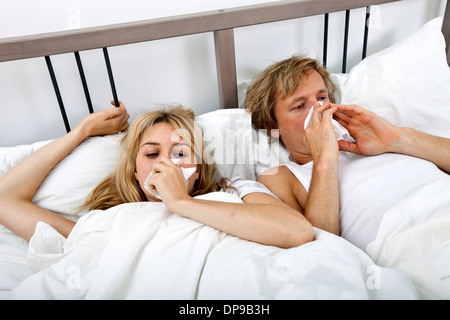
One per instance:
(321,205)
(425,146)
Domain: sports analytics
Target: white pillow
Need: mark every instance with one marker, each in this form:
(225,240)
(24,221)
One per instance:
(10,156)
(228,136)
(238,149)
(68,184)
(407,84)
(227,132)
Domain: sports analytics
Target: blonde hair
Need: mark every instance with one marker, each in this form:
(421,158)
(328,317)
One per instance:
(279,81)
(121,186)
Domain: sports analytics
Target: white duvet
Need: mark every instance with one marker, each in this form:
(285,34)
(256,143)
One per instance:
(142,251)
(414,236)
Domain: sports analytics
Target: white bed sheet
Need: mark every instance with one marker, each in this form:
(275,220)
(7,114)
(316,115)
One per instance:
(414,236)
(142,251)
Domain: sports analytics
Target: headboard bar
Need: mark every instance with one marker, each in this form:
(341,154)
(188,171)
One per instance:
(347,26)
(446,30)
(125,33)
(57,93)
(226,68)
(84,82)
(111,77)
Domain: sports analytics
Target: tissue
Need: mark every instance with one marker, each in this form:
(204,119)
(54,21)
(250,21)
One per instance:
(187,172)
(341,132)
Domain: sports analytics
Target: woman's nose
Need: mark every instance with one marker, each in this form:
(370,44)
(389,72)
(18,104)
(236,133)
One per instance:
(165,154)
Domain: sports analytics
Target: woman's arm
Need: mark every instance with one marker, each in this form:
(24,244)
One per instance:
(19,185)
(261,218)
(375,135)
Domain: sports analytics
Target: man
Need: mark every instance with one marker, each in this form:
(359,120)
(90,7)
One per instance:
(281,98)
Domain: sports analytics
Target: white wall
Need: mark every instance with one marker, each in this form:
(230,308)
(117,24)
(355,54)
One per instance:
(178,70)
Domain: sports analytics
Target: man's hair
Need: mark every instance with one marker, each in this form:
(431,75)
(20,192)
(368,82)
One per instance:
(279,81)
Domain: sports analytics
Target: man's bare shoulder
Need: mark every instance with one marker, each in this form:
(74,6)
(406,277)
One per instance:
(279,178)
(276,174)
(283,183)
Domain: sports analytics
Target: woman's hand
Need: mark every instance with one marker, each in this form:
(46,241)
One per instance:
(105,122)
(168,180)
(320,136)
(373,134)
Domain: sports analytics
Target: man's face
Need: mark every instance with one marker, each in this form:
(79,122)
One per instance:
(292,111)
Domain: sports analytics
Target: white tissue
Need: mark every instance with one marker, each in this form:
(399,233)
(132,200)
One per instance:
(187,172)
(341,132)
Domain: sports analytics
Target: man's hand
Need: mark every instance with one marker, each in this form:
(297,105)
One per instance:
(373,134)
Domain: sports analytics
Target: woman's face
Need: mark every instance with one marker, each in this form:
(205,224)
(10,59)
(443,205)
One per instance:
(162,140)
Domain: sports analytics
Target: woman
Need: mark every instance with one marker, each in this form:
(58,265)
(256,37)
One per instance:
(153,139)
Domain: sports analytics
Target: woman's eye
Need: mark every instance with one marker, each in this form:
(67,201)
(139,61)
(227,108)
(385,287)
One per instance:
(179,154)
(152,155)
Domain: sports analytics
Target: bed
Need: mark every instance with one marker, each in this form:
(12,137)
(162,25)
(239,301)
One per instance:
(127,253)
